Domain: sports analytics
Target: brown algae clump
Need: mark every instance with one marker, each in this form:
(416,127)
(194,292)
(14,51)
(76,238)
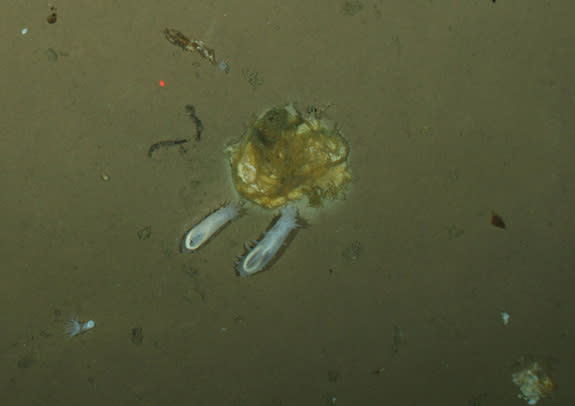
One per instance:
(285,156)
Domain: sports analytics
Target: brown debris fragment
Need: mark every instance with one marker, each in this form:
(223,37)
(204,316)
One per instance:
(177,38)
(497,220)
(53,16)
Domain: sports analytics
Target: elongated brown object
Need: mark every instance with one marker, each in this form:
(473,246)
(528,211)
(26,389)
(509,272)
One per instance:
(497,220)
(177,38)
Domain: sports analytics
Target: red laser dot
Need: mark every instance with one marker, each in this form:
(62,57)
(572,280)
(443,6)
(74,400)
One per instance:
(162,83)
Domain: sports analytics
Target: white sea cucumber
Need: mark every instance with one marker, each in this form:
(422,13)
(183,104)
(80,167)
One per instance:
(209,226)
(74,327)
(261,255)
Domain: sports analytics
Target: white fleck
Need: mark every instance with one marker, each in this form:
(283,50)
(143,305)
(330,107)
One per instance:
(224,66)
(505,317)
(88,325)
(24,31)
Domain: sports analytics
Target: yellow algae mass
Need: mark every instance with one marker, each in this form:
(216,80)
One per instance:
(285,156)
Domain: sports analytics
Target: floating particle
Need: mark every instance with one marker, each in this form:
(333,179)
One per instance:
(379,371)
(28,360)
(53,16)
(351,7)
(145,233)
(252,77)
(332,375)
(51,55)
(224,66)
(454,232)
(137,336)
(497,220)
(352,253)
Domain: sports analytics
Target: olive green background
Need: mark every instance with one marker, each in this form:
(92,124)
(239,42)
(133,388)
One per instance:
(452,109)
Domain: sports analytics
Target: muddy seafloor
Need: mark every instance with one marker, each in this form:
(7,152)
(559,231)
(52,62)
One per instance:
(453,110)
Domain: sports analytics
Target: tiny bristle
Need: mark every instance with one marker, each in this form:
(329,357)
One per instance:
(301,222)
(72,328)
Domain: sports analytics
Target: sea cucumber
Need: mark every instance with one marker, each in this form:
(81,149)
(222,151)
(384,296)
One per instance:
(262,254)
(207,228)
